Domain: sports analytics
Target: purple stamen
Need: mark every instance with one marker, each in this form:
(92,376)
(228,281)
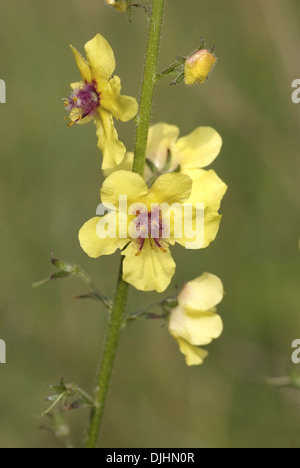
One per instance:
(153,224)
(85,100)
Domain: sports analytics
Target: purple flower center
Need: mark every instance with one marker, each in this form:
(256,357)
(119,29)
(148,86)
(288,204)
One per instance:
(84,100)
(150,226)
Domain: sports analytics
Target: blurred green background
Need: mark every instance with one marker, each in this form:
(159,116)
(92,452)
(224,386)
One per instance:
(50,180)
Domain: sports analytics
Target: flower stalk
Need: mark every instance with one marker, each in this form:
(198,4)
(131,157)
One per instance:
(116,321)
(148,87)
(107,361)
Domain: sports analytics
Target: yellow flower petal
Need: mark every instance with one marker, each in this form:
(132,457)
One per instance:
(195,239)
(152,270)
(203,293)
(198,149)
(100,57)
(112,149)
(92,244)
(212,221)
(170,188)
(208,188)
(193,356)
(82,65)
(123,183)
(126,165)
(161,138)
(77,84)
(122,107)
(197,329)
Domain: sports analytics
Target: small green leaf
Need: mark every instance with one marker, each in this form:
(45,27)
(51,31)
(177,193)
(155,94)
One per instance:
(53,397)
(77,404)
(61,265)
(168,161)
(151,166)
(177,170)
(55,388)
(178,80)
(171,302)
(93,296)
(202,44)
(59,275)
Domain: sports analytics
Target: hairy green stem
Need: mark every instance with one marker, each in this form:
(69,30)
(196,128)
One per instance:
(148,87)
(116,321)
(107,361)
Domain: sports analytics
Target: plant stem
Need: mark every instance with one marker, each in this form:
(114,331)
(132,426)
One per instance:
(117,314)
(148,87)
(107,361)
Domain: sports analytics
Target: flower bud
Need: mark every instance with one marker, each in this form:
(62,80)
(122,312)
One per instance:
(198,67)
(120,5)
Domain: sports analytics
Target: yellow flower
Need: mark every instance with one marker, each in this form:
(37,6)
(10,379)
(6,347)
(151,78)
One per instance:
(97,97)
(145,221)
(190,155)
(120,5)
(196,150)
(198,67)
(194,321)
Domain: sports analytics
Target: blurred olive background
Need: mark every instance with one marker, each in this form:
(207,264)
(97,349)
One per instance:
(50,180)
